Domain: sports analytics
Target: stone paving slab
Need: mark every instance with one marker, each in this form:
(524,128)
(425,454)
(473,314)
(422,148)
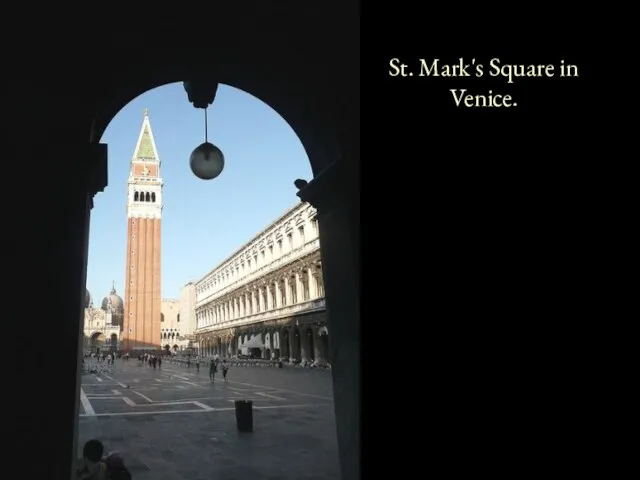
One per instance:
(294,427)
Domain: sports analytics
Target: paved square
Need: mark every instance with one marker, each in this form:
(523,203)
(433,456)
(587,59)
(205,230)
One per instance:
(175,423)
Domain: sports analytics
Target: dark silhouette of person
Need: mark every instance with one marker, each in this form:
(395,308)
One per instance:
(91,467)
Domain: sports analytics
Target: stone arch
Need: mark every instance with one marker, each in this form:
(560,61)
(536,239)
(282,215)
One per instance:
(97,341)
(315,131)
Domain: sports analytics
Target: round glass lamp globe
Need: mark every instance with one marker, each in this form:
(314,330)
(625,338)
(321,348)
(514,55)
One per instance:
(206,161)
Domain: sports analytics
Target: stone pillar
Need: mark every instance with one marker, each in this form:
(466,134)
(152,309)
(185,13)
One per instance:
(299,288)
(263,350)
(304,344)
(67,196)
(253,302)
(278,294)
(268,294)
(287,289)
(317,351)
(312,283)
(334,192)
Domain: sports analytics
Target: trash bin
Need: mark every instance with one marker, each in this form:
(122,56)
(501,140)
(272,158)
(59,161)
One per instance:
(279,364)
(244,415)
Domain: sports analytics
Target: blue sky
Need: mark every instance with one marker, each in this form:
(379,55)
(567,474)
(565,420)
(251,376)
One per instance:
(203,221)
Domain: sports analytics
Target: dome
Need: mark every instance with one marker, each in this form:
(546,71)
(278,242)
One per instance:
(116,302)
(87,299)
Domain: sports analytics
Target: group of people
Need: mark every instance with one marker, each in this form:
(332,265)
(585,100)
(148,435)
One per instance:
(101,357)
(94,465)
(153,360)
(213,367)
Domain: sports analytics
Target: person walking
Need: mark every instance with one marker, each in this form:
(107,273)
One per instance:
(212,370)
(225,369)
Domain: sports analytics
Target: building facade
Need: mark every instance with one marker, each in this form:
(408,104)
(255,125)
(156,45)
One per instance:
(267,299)
(175,335)
(102,326)
(142,318)
(188,308)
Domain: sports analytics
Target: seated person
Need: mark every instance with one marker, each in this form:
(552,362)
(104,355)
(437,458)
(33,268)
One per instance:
(91,467)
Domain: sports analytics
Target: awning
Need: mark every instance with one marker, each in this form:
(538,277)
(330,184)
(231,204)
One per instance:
(255,342)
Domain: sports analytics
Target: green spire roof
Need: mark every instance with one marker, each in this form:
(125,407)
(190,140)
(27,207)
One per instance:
(145,149)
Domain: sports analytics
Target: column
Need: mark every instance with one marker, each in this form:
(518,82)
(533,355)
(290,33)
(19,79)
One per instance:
(263,350)
(63,259)
(278,294)
(268,294)
(334,192)
(304,344)
(313,293)
(299,288)
(287,289)
(253,302)
(317,353)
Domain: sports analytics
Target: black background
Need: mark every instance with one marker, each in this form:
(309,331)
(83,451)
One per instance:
(483,245)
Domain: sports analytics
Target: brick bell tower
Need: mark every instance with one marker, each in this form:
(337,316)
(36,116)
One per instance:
(141,324)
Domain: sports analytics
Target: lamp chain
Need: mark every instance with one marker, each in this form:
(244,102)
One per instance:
(206,127)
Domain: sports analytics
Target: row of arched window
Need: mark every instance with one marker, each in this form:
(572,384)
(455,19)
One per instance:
(144,197)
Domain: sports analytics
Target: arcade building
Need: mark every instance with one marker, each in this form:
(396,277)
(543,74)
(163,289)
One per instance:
(266,300)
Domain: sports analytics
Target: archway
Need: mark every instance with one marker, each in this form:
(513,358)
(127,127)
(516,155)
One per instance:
(296,346)
(284,343)
(310,344)
(97,342)
(323,344)
(242,57)
(114,342)
(296,339)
